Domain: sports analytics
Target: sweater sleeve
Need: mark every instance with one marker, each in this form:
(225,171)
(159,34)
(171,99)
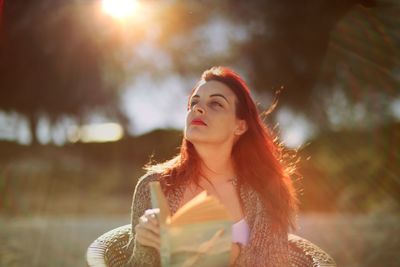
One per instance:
(279,251)
(141,255)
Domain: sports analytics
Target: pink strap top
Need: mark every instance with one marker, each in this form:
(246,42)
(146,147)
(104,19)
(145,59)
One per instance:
(240,232)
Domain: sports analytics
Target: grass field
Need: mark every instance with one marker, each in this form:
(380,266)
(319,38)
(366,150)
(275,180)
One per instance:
(352,240)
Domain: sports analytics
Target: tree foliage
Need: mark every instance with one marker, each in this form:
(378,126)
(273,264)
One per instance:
(53,62)
(308,47)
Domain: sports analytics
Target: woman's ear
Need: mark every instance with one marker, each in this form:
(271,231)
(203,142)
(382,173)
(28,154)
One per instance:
(241,127)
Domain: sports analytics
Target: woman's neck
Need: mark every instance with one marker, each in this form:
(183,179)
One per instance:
(217,164)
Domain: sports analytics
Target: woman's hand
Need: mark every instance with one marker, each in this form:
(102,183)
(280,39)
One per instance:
(148,229)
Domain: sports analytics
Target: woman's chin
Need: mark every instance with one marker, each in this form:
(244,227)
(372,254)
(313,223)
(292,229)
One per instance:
(196,137)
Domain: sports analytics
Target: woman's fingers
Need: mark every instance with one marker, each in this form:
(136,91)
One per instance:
(149,212)
(148,230)
(145,241)
(150,224)
(147,237)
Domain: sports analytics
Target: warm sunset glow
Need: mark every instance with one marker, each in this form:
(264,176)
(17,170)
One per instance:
(119,9)
(104,132)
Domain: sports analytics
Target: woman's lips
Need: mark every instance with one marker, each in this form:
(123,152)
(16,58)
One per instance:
(198,122)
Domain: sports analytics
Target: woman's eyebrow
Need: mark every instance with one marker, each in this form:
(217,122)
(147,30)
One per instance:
(220,95)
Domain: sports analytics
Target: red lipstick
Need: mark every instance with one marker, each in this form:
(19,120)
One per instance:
(198,122)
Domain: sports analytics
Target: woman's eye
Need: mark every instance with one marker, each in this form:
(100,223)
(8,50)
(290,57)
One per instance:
(215,103)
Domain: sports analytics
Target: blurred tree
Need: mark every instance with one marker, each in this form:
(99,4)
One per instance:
(363,62)
(290,42)
(54,62)
(309,47)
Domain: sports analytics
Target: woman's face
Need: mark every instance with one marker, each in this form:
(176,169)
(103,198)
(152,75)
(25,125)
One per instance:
(211,117)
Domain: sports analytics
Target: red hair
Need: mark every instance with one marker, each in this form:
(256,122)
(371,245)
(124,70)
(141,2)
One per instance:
(265,172)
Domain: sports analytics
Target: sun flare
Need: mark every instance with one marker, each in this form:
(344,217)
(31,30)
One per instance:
(119,9)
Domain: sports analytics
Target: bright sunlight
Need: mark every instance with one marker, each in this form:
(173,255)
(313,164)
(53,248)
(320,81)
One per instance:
(102,132)
(119,9)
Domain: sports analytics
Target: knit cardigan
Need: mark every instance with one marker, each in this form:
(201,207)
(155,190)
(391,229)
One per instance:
(265,248)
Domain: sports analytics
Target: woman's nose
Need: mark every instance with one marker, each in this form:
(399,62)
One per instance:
(198,108)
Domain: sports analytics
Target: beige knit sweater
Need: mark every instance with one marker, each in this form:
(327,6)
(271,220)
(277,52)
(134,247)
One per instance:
(265,248)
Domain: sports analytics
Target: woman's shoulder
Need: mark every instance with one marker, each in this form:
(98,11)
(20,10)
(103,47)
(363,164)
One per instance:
(148,177)
(142,189)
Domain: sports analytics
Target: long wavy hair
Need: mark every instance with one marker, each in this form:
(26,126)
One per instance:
(257,157)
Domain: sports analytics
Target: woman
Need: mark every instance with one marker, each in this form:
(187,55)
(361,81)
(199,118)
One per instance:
(227,151)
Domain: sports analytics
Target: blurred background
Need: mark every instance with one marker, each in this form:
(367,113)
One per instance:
(92,90)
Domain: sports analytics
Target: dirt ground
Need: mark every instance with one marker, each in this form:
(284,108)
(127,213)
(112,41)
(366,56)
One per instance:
(352,240)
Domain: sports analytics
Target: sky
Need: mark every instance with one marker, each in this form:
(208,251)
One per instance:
(152,105)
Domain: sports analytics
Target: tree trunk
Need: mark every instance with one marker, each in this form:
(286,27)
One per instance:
(33,122)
